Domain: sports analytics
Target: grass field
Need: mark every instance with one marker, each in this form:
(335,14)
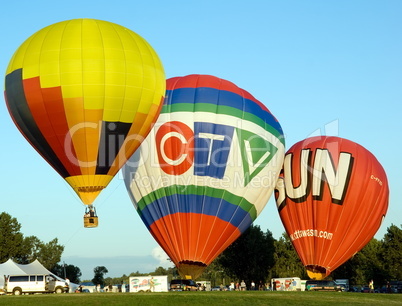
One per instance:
(207,298)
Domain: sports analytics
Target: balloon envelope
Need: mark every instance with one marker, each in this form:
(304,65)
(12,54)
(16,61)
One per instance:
(332,198)
(206,170)
(84,93)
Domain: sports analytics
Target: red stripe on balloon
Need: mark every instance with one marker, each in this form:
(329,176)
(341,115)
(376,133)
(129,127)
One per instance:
(54,128)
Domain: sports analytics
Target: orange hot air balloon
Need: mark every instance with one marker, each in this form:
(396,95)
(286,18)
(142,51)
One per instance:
(85,93)
(332,197)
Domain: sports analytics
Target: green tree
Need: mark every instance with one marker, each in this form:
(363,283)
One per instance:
(172,272)
(50,253)
(73,273)
(30,249)
(392,252)
(214,273)
(347,271)
(160,271)
(10,237)
(24,250)
(367,265)
(364,266)
(287,262)
(138,273)
(250,257)
(99,273)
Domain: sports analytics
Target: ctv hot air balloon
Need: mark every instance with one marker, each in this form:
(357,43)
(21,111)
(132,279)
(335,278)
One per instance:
(206,170)
(85,93)
(332,198)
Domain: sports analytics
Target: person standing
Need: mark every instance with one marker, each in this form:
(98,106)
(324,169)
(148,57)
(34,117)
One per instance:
(232,286)
(243,286)
(67,285)
(389,289)
(294,285)
(371,286)
(152,284)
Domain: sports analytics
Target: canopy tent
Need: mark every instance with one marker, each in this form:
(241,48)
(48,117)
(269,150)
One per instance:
(34,267)
(10,267)
(7,268)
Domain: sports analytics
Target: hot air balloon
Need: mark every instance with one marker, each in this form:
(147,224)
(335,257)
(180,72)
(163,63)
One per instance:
(206,170)
(332,198)
(85,93)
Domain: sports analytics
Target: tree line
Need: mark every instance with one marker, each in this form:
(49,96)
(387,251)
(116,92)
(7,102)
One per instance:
(257,256)
(254,256)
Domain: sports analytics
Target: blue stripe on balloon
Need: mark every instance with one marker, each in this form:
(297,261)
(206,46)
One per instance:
(199,204)
(220,97)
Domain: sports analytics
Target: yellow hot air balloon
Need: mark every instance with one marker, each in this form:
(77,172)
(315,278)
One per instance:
(85,93)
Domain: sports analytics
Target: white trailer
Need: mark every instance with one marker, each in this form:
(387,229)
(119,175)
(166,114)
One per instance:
(287,284)
(149,283)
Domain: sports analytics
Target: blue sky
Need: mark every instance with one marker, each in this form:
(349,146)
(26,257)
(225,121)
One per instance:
(321,67)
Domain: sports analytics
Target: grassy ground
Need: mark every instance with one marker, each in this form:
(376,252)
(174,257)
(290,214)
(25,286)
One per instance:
(207,298)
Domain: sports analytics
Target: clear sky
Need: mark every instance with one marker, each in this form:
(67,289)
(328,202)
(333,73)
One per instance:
(321,67)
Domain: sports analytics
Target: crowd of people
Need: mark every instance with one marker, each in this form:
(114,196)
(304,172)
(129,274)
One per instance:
(242,286)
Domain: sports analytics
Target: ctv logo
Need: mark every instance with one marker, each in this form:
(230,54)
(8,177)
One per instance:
(208,147)
(314,175)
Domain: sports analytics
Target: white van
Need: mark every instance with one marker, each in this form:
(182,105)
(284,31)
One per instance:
(33,283)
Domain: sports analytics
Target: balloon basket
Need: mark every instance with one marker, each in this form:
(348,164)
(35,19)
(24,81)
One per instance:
(90,222)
